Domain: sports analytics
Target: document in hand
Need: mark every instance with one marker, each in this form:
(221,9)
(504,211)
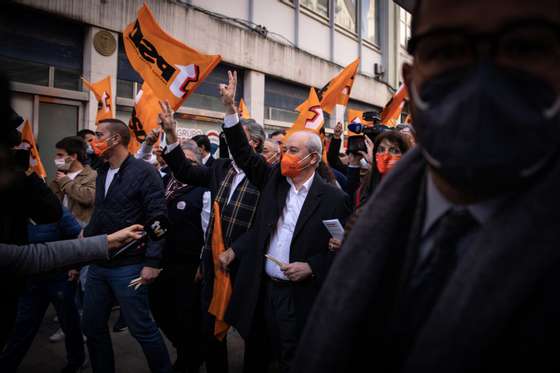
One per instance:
(335,228)
(278,262)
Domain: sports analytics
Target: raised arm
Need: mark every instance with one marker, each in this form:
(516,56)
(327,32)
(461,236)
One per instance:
(255,167)
(334,149)
(182,169)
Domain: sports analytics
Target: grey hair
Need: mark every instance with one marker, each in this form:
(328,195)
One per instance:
(314,144)
(256,131)
(274,144)
(193,147)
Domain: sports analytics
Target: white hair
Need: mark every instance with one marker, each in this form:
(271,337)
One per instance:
(314,143)
(193,147)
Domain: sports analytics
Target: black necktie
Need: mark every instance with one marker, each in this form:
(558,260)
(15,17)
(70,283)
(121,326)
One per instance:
(429,279)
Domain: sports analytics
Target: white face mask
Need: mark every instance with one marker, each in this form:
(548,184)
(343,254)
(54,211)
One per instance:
(61,164)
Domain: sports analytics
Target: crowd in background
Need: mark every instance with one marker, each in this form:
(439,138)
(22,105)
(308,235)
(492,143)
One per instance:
(448,257)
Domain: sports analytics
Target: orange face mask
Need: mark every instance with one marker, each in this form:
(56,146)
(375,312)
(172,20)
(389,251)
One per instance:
(100,146)
(290,166)
(386,161)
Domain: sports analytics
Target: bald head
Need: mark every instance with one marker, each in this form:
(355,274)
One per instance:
(310,141)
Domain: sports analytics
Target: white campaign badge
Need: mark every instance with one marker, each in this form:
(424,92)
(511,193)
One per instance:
(181,205)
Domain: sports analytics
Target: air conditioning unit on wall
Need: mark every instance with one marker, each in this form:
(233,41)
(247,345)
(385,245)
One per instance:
(378,70)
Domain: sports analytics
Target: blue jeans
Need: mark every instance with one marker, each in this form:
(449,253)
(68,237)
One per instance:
(102,286)
(32,306)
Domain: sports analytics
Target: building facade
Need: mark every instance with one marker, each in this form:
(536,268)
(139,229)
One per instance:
(280,48)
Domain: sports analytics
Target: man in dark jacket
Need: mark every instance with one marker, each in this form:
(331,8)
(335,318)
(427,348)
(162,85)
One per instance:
(238,200)
(203,143)
(175,295)
(453,263)
(128,191)
(23,196)
(289,226)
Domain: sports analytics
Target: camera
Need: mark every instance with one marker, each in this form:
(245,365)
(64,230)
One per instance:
(371,116)
(356,144)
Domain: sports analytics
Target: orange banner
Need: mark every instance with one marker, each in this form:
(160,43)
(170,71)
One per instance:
(103,94)
(243,110)
(310,115)
(222,282)
(354,116)
(172,69)
(391,113)
(337,91)
(144,117)
(28,143)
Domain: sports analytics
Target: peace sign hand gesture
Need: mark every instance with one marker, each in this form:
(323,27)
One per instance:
(167,122)
(227,92)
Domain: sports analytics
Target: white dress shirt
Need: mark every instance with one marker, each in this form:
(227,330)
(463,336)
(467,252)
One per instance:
(205,159)
(281,240)
(205,212)
(237,179)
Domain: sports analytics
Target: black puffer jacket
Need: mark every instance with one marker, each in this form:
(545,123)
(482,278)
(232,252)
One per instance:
(135,196)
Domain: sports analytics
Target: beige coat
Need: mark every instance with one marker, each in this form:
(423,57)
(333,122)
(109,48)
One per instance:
(80,192)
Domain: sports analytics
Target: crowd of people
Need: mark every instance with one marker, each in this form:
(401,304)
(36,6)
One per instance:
(448,258)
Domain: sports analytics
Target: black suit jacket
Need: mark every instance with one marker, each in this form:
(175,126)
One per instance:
(309,242)
(210,161)
(497,313)
(209,176)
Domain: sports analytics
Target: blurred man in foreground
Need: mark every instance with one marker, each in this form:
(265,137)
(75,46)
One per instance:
(453,264)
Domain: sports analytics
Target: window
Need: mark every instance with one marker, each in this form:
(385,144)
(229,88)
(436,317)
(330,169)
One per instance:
(281,99)
(25,72)
(207,96)
(48,51)
(345,14)
(126,75)
(125,88)
(320,7)
(67,79)
(369,20)
(362,106)
(404,33)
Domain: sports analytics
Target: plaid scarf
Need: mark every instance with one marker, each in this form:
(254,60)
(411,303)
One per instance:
(238,214)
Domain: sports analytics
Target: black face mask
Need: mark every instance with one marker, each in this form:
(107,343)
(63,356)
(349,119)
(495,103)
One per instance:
(487,128)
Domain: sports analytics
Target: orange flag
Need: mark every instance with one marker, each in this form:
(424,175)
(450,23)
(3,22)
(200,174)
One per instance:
(243,110)
(310,115)
(172,69)
(354,117)
(104,96)
(337,91)
(392,111)
(222,282)
(28,142)
(144,117)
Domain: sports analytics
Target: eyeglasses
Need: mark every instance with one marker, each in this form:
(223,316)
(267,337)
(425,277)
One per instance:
(529,45)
